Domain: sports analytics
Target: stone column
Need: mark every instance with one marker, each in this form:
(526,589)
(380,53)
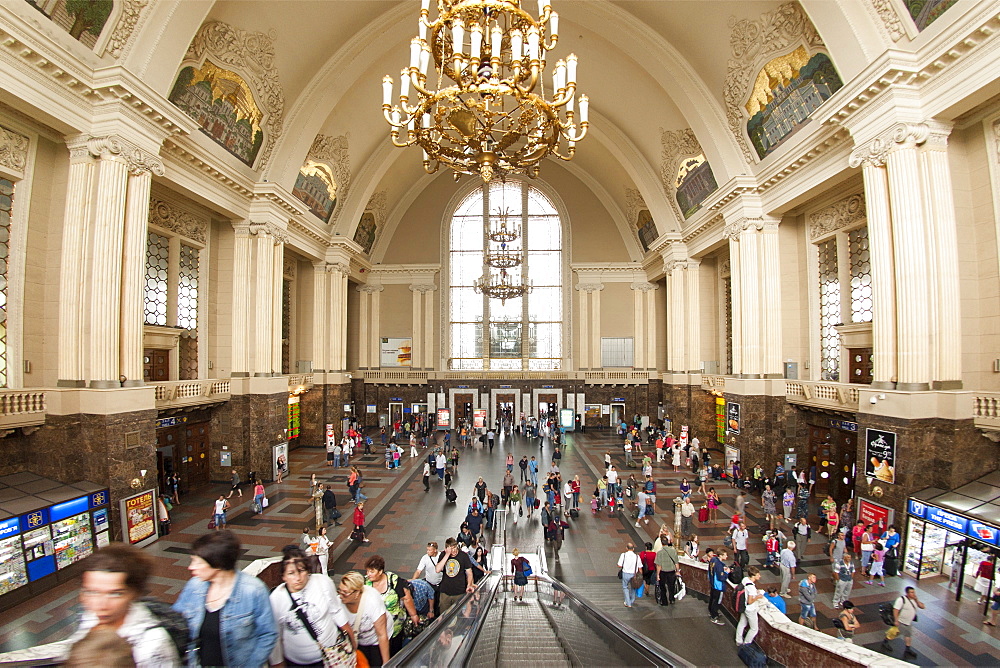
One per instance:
(872,161)
(375,314)
(638,327)
(429,326)
(645,325)
(651,340)
(73,274)
(277,303)
(242,285)
(770,303)
(423,325)
(676,316)
(363,326)
(692,320)
(337,352)
(909,243)
(134,271)
(416,328)
(590,324)
(732,233)
(584,320)
(322,322)
(942,237)
(104,301)
(263,307)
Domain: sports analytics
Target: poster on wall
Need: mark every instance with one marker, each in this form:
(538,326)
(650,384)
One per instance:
(395,352)
(479,418)
(279,458)
(880,455)
(732,456)
(733,418)
(592,413)
(874,513)
(444,418)
(139,518)
(720,420)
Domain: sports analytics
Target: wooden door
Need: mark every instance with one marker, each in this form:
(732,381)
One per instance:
(847,458)
(551,402)
(860,365)
(169,459)
(198,446)
(464,404)
(155,365)
(822,447)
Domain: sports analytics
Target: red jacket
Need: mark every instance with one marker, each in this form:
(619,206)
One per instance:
(359,517)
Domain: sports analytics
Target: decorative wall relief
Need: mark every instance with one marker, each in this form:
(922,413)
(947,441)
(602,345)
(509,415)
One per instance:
(324,177)
(228,83)
(82,19)
(787,90)
(686,175)
(167,216)
(890,20)
(842,213)
(13,151)
(773,35)
(926,12)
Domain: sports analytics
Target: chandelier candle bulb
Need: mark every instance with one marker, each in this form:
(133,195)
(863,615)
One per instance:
(559,76)
(458,37)
(422,31)
(476,35)
(543,5)
(415,51)
(425,6)
(571,69)
(425,56)
(404,84)
(386,90)
(554,26)
(584,108)
(395,117)
(516,45)
(496,41)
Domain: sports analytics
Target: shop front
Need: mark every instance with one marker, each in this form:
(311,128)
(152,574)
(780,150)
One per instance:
(950,534)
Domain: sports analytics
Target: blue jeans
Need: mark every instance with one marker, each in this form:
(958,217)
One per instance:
(626,589)
(336,461)
(534,478)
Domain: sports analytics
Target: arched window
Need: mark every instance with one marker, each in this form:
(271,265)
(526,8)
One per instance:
(522,333)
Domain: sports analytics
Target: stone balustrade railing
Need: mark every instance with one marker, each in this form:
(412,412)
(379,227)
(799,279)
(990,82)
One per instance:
(623,377)
(842,396)
(713,382)
(175,393)
(986,410)
(21,408)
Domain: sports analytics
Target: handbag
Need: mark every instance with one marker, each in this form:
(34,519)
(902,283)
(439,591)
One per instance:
(263,502)
(892,632)
(619,574)
(520,511)
(636,582)
(526,569)
(211,524)
(339,654)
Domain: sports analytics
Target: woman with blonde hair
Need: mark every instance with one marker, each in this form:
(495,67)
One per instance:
(518,565)
(367,615)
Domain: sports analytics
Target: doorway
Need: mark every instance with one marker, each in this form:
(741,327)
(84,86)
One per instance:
(155,365)
(503,408)
(835,455)
(395,414)
(617,414)
(548,405)
(464,403)
(197,444)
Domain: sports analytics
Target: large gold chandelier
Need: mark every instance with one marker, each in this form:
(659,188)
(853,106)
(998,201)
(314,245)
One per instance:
(500,285)
(488,114)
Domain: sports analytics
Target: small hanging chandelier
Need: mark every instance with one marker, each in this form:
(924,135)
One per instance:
(488,115)
(500,286)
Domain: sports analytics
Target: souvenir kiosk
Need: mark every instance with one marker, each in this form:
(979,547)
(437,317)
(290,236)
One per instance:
(46,529)
(949,533)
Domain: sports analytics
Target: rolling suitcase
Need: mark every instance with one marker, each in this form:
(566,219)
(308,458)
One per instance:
(574,513)
(451,495)
(752,656)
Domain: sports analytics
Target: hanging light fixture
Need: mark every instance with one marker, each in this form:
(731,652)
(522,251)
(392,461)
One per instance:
(500,286)
(488,114)
(503,231)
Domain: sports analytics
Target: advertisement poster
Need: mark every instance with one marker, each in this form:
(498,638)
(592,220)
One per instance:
(720,420)
(592,412)
(279,457)
(733,418)
(140,517)
(732,455)
(444,418)
(479,418)
(684,435)
(395,352)
(880,455)
(567,419)
(873,513)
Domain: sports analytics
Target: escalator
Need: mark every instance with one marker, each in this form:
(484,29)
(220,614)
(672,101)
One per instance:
(552,626)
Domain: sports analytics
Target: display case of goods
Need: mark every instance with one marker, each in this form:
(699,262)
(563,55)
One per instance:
(924,549)
(72,539)
(13,573)
(39,552)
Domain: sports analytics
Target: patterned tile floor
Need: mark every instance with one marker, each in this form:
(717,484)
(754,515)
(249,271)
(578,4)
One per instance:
(402,517)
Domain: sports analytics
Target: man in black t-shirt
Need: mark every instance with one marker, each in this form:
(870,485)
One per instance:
(481,490)
(456,569)
(475,522)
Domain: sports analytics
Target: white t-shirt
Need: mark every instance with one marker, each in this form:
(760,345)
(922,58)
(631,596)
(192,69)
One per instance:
(427,565)
(740,538)
(907,610)
(220,506)
(751,592)
(629,562)
(321,606)
(370,608)
(151,644)
(612,477)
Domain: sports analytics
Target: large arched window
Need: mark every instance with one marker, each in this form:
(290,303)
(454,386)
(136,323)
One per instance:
(523,333)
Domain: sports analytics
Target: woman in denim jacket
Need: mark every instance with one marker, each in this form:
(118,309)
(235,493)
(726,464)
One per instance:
(228,613)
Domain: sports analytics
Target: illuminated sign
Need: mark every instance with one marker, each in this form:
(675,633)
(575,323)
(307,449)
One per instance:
(70,508)
(984,532)
(916,508)
(99,499)
(947,520)
(9,527)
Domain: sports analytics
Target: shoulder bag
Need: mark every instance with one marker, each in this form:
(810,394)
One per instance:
(338,655)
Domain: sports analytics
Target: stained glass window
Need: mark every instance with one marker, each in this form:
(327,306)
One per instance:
(861,275)
(157,266)
(523,333)
(829,310)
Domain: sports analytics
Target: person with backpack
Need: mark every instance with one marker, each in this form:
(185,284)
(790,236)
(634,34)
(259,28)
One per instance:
(807,601)
(309,615)
(666,571)
(114,580)
(746,602)
(904,616)
(717,571)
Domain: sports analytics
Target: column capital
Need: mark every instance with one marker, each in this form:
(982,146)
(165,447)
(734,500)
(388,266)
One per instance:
(904,135)
(340,268)
(643,286)
(589,287)
(139,160)
(423,287)
(370,288)
(267,229)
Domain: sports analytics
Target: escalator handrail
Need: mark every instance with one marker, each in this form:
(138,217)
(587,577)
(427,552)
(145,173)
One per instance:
(641,643)
(487,589)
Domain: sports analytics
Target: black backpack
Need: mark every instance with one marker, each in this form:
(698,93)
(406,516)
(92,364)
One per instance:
(736,573)
(172,622)
(740,599)
(885,610)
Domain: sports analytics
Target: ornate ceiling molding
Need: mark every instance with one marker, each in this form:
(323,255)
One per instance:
(886,13)
(127,21)
(377,205)
(634,203)
(675,146)
(842,213)
(169,216)
(334,153)
(250,54)
(753,43)
(13,151)
(707,222)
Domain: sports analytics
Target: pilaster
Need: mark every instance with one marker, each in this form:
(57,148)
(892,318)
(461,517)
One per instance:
(590,325)
(423,325)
